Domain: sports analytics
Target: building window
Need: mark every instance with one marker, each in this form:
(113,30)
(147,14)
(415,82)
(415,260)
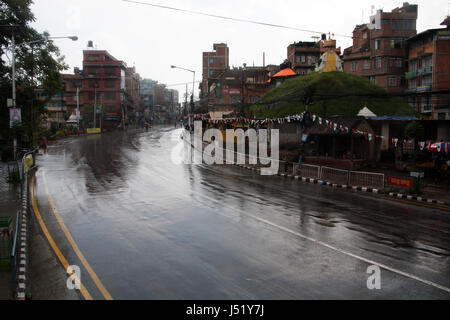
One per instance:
(427,62)
(441,116)
(377,44)
(373,79)
(413,66)
(110,84)
(300,59)
(92,83)
(91,96)
(392,82)
(108,96)
(354,66)
(396,43)
(403,24)
(365,35)
(366,64)
(413,84)
(93,57)
(92,71)
(211,72)
(378,63)
(211,61)
(426,104)
(110,71)
(396,62)
(427,81)
(235,99)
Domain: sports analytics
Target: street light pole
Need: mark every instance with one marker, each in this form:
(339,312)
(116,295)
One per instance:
(193,88)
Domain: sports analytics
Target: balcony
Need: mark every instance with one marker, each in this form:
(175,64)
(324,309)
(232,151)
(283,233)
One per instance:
(420,89)
(426,70)
(411,74)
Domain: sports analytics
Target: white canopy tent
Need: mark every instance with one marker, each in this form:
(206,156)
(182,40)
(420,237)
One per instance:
(365,112)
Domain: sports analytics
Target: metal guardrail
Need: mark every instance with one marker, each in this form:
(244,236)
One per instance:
(366,179)
(334,175)
(15,255)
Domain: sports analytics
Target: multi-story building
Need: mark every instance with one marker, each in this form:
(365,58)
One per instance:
(57,111)
(428,73)
(104,83)
(238,86)
(379,49)
(132,93)
(303,56)
(214,64)
(73,96)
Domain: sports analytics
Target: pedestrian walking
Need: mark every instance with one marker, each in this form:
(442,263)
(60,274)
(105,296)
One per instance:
(44,144)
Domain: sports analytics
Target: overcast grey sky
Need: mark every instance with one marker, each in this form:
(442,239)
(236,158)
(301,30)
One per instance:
(152,38)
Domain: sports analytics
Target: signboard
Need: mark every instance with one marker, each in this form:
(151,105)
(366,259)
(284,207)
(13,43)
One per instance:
(93,130)
(15,116)
(27,163)
(400,182)
(417,174)
(231,92)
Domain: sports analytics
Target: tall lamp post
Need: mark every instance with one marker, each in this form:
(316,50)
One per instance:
(12,28)
(193,87)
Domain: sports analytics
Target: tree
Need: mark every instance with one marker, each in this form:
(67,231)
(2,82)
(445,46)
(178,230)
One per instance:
(37,65)
(414,130)
(327,94)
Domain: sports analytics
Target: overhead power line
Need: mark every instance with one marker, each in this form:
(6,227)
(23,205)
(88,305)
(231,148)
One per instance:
(232,19)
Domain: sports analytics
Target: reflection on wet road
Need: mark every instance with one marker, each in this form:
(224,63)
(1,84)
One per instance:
(154,229)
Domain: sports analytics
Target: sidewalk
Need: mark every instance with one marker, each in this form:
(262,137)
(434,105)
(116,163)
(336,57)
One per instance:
(437,192)
(9,196)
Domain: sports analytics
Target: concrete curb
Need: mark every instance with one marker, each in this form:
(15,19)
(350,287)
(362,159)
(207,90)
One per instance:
(416,198)
(23,259)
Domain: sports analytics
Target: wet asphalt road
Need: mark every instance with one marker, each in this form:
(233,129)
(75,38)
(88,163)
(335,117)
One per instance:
(154,229)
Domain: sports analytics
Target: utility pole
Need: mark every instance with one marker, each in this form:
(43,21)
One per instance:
(13,66)
(95,104)
(186,100)
(101,112)
(78,108)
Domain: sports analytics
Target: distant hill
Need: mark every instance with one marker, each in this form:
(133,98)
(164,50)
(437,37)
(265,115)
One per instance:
(329,94)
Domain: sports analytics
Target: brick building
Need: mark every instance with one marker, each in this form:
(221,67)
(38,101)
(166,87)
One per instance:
(303,56)
(236,87)
(214,63)
(104,81)
(71,82)
(132,94)
(379,50)
(428,73)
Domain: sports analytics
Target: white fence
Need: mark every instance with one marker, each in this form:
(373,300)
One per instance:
(306,171)
(333,175)
(366,179)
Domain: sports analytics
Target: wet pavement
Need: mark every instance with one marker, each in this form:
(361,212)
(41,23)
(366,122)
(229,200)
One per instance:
(154,229)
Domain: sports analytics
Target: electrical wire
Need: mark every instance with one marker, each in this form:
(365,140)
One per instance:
(232,19)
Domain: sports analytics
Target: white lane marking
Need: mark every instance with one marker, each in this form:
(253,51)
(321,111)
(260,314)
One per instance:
(405,274)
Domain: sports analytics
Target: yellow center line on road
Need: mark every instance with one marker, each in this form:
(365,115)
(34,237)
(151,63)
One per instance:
(75,248)
(55,248)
